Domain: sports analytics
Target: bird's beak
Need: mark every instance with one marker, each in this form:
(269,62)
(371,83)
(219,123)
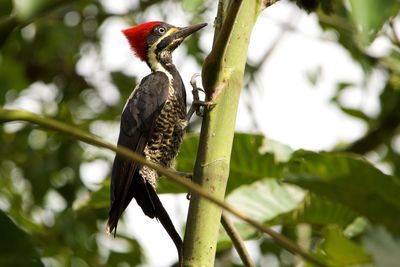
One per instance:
(186,31)
(173,40)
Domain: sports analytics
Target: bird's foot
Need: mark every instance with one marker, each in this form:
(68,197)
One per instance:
(188,175)
(197,103)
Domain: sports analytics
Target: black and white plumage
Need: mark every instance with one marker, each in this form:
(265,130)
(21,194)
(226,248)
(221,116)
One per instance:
(152,124)
(149,126)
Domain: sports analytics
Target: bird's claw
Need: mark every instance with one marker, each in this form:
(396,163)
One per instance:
(193,80)
(197,103)
(187,175)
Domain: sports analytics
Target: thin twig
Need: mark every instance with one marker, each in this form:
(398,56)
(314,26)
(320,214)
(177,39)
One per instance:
(216,56)
(7,115)
(237,241)
(222,40)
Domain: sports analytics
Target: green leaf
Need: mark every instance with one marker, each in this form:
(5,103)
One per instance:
(187,153)
(337,250)
(253,157)
(356,228)
(16,248)
(12,76)
(263,201)
(343,85)
(317,210)
(281,152)
(356,113)
(351,181)
(5,8)
(370,15)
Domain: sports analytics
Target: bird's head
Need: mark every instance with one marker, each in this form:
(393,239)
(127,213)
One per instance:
(155,40)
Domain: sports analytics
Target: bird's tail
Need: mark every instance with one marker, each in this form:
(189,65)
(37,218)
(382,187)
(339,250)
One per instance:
(148,200)
(138,190)
(162,215)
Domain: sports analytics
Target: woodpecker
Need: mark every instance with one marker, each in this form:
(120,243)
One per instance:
(153,122)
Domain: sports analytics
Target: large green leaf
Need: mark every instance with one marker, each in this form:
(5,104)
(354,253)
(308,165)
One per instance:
(187,153)
(263,201)
(5,7)
(370,15)
(253,157)
(336,250)
(351,181)
(318,210)
(356,228)
(16,248)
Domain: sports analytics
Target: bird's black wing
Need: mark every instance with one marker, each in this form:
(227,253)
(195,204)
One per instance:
(137,123)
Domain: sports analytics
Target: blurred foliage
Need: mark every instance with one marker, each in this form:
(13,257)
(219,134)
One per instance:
(340,251)
(337,204)
(15,243)
(350,181)
(43,44)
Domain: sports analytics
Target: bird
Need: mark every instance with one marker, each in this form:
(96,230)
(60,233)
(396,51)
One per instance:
(153,123)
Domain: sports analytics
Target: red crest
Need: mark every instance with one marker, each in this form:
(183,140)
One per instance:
(137,37)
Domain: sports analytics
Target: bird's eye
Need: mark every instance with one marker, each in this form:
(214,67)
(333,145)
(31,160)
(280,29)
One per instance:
(161,30)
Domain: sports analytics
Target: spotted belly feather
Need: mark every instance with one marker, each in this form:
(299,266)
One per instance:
(166,138)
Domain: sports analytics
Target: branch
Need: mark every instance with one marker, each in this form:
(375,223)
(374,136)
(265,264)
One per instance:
(373,138)
(7,115)
(16,20)
(237,241)
(385,124)
(7,25)
(214,60)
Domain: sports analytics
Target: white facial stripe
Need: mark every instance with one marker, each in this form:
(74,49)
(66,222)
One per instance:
(155,65)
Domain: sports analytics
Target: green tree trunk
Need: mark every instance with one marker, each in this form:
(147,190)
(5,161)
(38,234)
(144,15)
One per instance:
(223,73)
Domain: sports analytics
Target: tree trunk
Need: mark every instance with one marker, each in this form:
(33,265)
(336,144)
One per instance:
(222,75)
